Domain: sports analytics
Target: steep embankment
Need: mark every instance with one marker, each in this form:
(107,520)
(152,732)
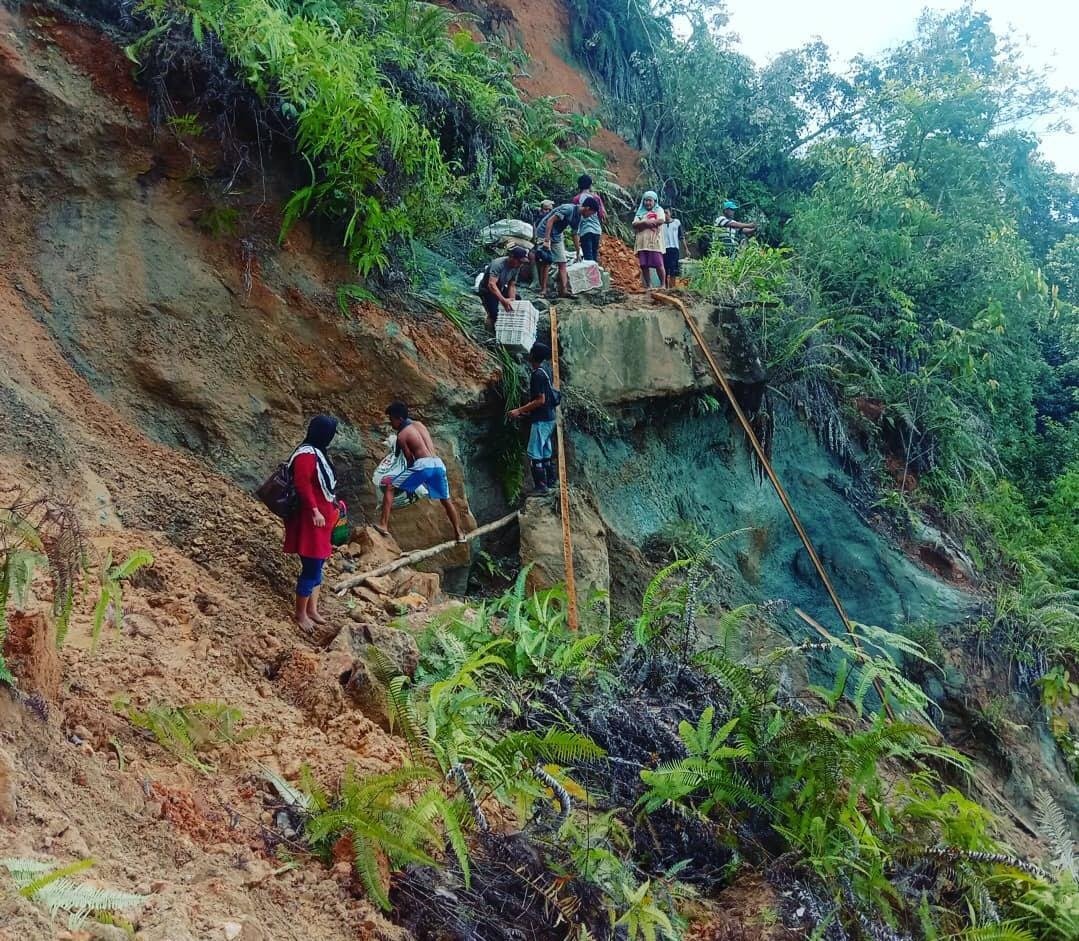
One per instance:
(153,372)
(542,32)
(666,459)
(150,374)
(218,347)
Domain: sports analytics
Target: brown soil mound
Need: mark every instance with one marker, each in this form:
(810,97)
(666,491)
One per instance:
(618,258)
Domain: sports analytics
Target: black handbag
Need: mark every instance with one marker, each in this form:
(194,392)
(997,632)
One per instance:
(278,492)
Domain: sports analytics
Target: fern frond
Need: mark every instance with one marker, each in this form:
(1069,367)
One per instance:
(51,887)
(558,745)
(137,560)
(402,712)
(732,620)
(365,862)
(384,669)
(47,878)
(1057,831)
(360,791)
(65,605)
(449,813)
(743,685)
(18,574)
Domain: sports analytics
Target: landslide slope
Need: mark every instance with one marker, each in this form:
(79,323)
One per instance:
(150,374)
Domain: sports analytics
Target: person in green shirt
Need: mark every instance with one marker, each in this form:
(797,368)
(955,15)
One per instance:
(733,230)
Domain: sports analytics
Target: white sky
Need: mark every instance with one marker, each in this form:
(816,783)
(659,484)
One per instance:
(850,27)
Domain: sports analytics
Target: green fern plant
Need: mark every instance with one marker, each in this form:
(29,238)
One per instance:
(52,887)
(185,125)
(380,818)
(188,732)
(110,600)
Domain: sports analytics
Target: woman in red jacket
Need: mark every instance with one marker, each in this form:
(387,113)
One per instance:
(307,531)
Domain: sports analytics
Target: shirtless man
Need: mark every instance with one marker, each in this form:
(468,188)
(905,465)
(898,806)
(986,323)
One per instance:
(424,468)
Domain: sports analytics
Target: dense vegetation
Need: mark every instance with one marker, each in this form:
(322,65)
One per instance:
(643,768)
(410,125)
(928,269)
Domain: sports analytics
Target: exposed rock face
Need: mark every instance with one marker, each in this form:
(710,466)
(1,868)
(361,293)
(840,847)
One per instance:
(666,464)
(541,545)
(629,354)
(221,347)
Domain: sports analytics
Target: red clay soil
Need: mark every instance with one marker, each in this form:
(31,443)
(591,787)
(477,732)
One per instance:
(542,30)
(103,63)
(623,161)
(620,261)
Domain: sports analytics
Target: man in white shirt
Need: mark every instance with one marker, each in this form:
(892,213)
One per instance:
(674,239)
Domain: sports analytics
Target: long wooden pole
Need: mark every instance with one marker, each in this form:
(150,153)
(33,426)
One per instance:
(563,487)
(420,554)
(780,490)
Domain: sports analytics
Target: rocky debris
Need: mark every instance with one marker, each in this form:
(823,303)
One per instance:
(399,647)
(371,547)
(8,788)
(541,545)
(427,584)
(396,592)
(409,602)
(366,693)
(313,681)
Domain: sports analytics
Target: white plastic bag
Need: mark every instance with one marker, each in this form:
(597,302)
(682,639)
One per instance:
(391,465)
(584,276)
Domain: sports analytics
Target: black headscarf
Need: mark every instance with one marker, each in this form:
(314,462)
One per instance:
(320,432)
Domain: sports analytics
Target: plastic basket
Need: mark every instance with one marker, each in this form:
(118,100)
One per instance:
(517,327)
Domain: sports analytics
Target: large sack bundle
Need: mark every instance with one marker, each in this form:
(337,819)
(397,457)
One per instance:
(505,228)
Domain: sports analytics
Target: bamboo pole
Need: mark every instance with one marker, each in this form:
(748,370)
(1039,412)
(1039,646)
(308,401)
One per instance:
(781,492)
(419,555)
(563,487)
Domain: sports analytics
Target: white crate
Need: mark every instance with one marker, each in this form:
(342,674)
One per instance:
(584,276)
(517,327)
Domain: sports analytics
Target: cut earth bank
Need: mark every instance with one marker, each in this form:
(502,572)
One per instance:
(153,373)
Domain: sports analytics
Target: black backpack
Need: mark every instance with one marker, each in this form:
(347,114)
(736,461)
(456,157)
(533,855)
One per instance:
(278,492)
(556,393)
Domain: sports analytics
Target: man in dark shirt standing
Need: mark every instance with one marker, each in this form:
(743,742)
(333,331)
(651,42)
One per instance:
(550,238)
(540,408)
